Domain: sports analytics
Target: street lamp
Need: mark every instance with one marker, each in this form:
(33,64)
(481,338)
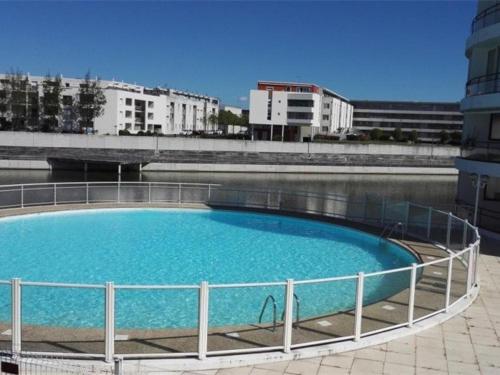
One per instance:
(479,182)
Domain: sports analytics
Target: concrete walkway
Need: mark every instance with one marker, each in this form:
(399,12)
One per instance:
(466,344)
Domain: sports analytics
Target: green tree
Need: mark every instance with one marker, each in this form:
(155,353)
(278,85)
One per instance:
(413,137)
(21,101)
(444,137)
(51,103)
(90,101)
(455,138)
(375,134)
(213,119)
(397,134)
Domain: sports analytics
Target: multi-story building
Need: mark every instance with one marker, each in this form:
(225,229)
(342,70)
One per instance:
(297,111)
(479,165)
(428,119)
(135,108)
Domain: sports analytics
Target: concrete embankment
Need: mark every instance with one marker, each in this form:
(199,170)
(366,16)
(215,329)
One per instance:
(20,150)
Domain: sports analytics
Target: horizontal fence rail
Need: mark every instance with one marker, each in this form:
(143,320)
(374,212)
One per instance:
(456,270)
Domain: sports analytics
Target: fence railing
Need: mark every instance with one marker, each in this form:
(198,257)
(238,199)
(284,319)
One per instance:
(440,281)
(487,17)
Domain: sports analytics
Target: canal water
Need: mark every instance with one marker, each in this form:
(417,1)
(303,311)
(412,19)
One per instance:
(436,191)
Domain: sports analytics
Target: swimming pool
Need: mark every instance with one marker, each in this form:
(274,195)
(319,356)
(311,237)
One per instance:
(182,246)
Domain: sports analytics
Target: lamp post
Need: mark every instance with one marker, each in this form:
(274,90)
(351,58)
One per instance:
(479,182)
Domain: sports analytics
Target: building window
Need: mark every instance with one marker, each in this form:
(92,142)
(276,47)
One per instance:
(326,105)
(300,115)
(326,117)
(495,127)
(300,103)
(150,116)
(128,114)
(150,105)
(128,101)
(67,100)
(325,129)
(492,191)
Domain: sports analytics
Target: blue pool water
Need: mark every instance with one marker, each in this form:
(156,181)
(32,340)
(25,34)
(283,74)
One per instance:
(180,246)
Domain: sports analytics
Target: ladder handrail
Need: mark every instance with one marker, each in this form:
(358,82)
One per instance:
(297,310)
(269,297)
(391,226)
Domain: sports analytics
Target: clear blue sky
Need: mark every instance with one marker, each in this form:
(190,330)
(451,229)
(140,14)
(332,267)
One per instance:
(363,50)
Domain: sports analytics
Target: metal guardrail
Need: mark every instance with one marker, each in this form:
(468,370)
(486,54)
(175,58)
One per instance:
(486,84)
(487,17)
(453,234)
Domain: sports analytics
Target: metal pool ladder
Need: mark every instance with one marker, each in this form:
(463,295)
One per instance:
(297,311)
(269,298)
(389,228)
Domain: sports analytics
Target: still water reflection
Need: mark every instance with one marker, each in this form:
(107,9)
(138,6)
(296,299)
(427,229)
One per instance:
(437,191)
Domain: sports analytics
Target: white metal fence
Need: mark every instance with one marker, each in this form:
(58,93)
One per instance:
(433,286)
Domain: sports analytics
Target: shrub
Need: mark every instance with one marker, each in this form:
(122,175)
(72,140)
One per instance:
(413,137)
(325,138)
(123,132)
(444,137)
(397,134)
(376,134)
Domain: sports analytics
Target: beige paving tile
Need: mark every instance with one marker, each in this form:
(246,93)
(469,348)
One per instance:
(366,366)
(302,367)
(338,360)
(261,371)
(400,358)
(274,366)
(235,371)
(396,369)
(463,368)
(369,353)
(327,370)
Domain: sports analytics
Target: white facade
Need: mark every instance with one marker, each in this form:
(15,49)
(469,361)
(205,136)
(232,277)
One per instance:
(299,106)
(136,108)
(479,165)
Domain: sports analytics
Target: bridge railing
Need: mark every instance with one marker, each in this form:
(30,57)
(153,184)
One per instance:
(437,284)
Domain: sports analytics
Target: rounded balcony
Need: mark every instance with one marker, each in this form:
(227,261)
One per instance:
(485,29)
(482,93)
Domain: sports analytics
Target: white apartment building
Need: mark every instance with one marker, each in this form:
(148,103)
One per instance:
(297,111)
(479,165)
(136,108)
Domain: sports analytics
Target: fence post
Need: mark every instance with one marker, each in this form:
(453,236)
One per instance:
(209,192)
(87,193)
(382,214)
(359,306)
(149,192)
(22,196)
(118,195)
(203,320)
(288,322)
(429,222)
(407,217)
(365,204)
(118,370)
(180,194)
(55,194)
(16,315)
(110,322)
(469,269)
(448,231)
(448,283)
(411,296)
(464,234)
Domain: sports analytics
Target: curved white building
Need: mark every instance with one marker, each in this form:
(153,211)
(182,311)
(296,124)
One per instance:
(479,165)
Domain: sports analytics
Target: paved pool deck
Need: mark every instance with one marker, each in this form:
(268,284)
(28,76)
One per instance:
(467,344)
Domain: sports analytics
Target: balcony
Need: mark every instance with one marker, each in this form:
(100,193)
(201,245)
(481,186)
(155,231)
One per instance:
(487,17)
(482,151)
(482,93)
